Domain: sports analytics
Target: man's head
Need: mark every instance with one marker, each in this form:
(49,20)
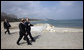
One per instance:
(27,19)
(23,20)
(5,20)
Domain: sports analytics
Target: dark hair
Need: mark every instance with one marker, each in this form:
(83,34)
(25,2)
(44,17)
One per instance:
(22,20)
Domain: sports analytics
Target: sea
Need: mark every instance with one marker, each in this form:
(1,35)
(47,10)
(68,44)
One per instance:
(71,23)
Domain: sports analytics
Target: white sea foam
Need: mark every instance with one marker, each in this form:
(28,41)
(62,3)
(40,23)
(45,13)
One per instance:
(51,28)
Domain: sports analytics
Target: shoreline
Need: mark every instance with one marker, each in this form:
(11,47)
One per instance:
(50,24)
(50,28)
(45,27)
(60,27)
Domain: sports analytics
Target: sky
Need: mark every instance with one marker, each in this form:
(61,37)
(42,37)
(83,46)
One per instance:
(44,9)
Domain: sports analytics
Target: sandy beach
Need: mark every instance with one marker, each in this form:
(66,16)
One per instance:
(46,36)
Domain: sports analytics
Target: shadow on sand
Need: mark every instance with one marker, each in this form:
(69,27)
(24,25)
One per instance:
(36,37)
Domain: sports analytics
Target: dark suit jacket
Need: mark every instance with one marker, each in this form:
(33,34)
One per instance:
(22,28)
(6,25)
(28,26)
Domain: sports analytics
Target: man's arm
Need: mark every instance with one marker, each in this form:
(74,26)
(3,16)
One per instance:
(20,27)
(31,25)
(5,25)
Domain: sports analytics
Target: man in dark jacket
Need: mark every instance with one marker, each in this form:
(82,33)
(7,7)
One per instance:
(6,26)
(28,29)
(22,33)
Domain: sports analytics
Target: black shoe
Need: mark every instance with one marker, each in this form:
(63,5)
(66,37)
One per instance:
(33,40)
(18,43)
(24,39)
(5,32)
(29,44)
(9,33)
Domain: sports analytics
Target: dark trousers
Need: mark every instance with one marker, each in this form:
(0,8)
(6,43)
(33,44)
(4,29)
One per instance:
(20,37)
(29,33)
(7,30)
